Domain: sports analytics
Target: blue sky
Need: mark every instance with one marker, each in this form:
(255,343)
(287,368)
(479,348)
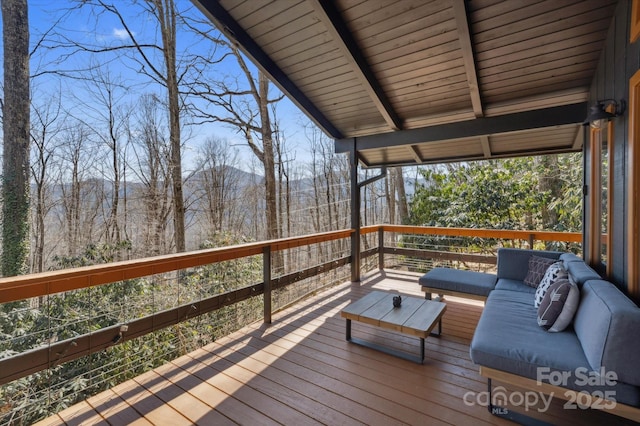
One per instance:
(105,30)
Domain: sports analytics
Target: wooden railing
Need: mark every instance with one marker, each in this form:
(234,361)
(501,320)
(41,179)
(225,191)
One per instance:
(42,284)
(530,238)
(49,283)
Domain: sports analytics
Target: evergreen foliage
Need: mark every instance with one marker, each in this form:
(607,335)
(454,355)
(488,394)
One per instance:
(541,193)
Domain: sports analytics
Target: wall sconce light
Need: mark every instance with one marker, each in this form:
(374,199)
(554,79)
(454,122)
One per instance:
(599,116)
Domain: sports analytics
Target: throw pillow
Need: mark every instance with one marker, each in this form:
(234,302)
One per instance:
(559,305)
(554,273)
(537,267)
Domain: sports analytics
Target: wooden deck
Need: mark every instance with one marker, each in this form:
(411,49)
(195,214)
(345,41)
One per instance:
(301,371)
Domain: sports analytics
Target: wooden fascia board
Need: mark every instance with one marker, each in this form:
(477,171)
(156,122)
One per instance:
(230,28)
(337,28)
(464,35)
(526,120)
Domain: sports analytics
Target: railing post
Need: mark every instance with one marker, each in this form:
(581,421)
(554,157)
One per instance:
(355,214)
(531,241)
(266,273)
(381,248)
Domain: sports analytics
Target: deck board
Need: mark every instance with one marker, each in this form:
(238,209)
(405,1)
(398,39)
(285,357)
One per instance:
(300,370)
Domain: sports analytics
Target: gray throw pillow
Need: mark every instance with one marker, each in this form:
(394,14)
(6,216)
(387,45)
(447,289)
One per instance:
(537,267)
(559,305)
(554,273)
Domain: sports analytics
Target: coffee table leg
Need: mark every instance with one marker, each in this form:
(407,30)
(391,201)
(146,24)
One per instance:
(348,330)
(439,329)
(422,350)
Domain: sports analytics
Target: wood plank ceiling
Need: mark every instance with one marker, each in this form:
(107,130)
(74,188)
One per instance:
(417,82)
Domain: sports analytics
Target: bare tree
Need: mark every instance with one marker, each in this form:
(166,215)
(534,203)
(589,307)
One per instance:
(217,187)
(151,167)
(245,105)
(104,111)
(403,207)
(43,135)
(330,195)
(80,200)
(16,123)
(161,69)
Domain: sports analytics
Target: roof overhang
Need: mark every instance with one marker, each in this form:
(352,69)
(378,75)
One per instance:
(417,82)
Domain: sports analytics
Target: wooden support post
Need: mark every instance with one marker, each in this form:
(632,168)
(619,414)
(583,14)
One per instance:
(381,248)
(355,214)
(266,272)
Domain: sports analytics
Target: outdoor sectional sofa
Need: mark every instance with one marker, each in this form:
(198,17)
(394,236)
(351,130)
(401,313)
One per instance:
(597,353)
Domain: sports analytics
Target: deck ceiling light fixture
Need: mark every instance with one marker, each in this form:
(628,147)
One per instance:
(600,113)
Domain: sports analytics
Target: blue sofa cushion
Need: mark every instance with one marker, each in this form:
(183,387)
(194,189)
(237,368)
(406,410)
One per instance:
(570,257)
(509,339)
(608,326)
(581,272)
(514,263)
(459,280)
(515,285)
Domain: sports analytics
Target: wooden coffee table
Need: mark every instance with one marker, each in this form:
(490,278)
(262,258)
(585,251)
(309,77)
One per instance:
(415,317)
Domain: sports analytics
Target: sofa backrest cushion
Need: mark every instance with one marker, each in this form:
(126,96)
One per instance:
(607,324)
(580,271)
(514,263)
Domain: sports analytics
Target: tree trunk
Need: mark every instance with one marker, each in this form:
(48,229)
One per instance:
(549,182)
(16,122)
(269,169)
(268,160)
(166,12)
(390,195)
(403,208)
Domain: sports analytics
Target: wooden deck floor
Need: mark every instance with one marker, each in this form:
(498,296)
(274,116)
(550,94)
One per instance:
(301,371)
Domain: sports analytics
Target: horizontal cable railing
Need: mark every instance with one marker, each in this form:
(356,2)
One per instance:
(420,248)
(96,326)
(90,328)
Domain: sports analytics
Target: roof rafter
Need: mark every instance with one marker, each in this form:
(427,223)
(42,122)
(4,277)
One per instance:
(416,154)
(577,143)
(331,18)
(464,35)
(486,146)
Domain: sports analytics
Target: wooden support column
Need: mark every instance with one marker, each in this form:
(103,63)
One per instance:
(381,248)
(266,273)
(355,214)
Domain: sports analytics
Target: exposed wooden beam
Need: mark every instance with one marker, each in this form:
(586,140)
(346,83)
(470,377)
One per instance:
(416,154)
(230,28)
(486,147)
(329,15)
(579,140)
(546,117)
(464,35)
